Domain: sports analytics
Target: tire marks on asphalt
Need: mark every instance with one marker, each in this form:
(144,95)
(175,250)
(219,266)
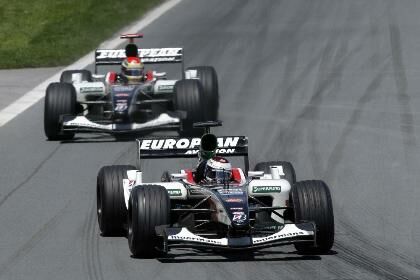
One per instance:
(337,152)
(39,166)
(91,260)
(35,239)
(406,115)
(363,254)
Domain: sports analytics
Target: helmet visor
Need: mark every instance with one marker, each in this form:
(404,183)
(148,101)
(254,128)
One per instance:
(219,176)
(133,72)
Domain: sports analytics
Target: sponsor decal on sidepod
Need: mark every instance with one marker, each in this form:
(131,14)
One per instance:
(174,192)
(266,189)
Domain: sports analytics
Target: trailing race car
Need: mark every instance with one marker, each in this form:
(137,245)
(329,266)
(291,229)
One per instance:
(132,100)
(245,210)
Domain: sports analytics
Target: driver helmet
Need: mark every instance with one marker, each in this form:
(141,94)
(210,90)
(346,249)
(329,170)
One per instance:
(133,70)
(218,170)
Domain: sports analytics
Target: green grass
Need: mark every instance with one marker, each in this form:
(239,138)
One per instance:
(39,33)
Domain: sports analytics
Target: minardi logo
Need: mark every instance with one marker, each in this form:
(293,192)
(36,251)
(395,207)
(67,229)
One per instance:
(185,143)
(266,189)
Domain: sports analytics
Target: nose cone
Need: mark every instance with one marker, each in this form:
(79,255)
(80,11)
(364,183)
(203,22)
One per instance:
(240,220)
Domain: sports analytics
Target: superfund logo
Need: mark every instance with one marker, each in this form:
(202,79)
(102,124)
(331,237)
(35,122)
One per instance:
(195,239)
(277,236)
(191,144)
(174,192)
(266,189)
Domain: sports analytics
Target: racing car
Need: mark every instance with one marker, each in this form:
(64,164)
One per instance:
(254,209)
(86,102)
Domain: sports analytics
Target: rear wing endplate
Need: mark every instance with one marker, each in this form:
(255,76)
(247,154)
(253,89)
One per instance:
(169,147)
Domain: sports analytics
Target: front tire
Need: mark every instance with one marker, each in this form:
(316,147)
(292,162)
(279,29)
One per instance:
(312,202)
(188,98)
(208,79)
(60,99)
(149,206)
(110,202)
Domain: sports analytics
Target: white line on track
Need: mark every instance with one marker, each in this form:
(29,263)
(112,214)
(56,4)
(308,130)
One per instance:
(33,96)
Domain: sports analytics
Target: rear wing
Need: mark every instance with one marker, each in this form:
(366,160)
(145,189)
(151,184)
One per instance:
(147,56)
(169,147)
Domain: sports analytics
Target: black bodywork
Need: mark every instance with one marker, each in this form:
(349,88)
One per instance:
(135,103)
(228,212)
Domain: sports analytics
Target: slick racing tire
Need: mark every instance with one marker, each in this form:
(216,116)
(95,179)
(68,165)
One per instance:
(208,79)
(149,206)
(311,201)
(188,98)
(110,203)
(66,76)
(60,99)
(288,170)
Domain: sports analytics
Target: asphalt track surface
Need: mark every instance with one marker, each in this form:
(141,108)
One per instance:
(16,82)
(331,86)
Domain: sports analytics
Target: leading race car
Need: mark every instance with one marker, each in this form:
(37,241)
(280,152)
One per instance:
(245,210)
(133,100)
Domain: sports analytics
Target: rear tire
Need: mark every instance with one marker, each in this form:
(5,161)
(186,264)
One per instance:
(288,169)
(312,202)
(208,79)
(149,206)
(60,99)
(110,203)
(66,76)
(188,98)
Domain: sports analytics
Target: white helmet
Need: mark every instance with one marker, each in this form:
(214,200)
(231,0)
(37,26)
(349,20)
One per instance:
(218,170)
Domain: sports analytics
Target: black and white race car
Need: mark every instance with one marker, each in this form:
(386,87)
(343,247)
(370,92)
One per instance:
(253,209)
(86,102)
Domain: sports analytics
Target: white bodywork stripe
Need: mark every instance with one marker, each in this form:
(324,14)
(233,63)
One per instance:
(83,122)
(30,98)
(186,235)
(289,231)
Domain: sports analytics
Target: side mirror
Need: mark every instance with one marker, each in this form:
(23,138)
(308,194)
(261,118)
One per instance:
(98,77)
(178,176)
(255,174)
(159,75)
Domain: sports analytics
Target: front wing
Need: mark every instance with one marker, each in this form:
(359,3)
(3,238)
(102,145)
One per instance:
(83,124)
(289,234)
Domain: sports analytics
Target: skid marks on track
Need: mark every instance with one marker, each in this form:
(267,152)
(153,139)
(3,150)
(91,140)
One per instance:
(35,239)
(91,259)
(328,83)
(372,256)
(40,165)
(337,152)
(406,115)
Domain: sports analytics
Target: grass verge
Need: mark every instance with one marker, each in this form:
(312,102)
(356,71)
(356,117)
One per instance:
(56,32)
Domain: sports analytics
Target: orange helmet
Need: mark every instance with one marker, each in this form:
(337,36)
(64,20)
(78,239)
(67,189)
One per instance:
(133,70)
